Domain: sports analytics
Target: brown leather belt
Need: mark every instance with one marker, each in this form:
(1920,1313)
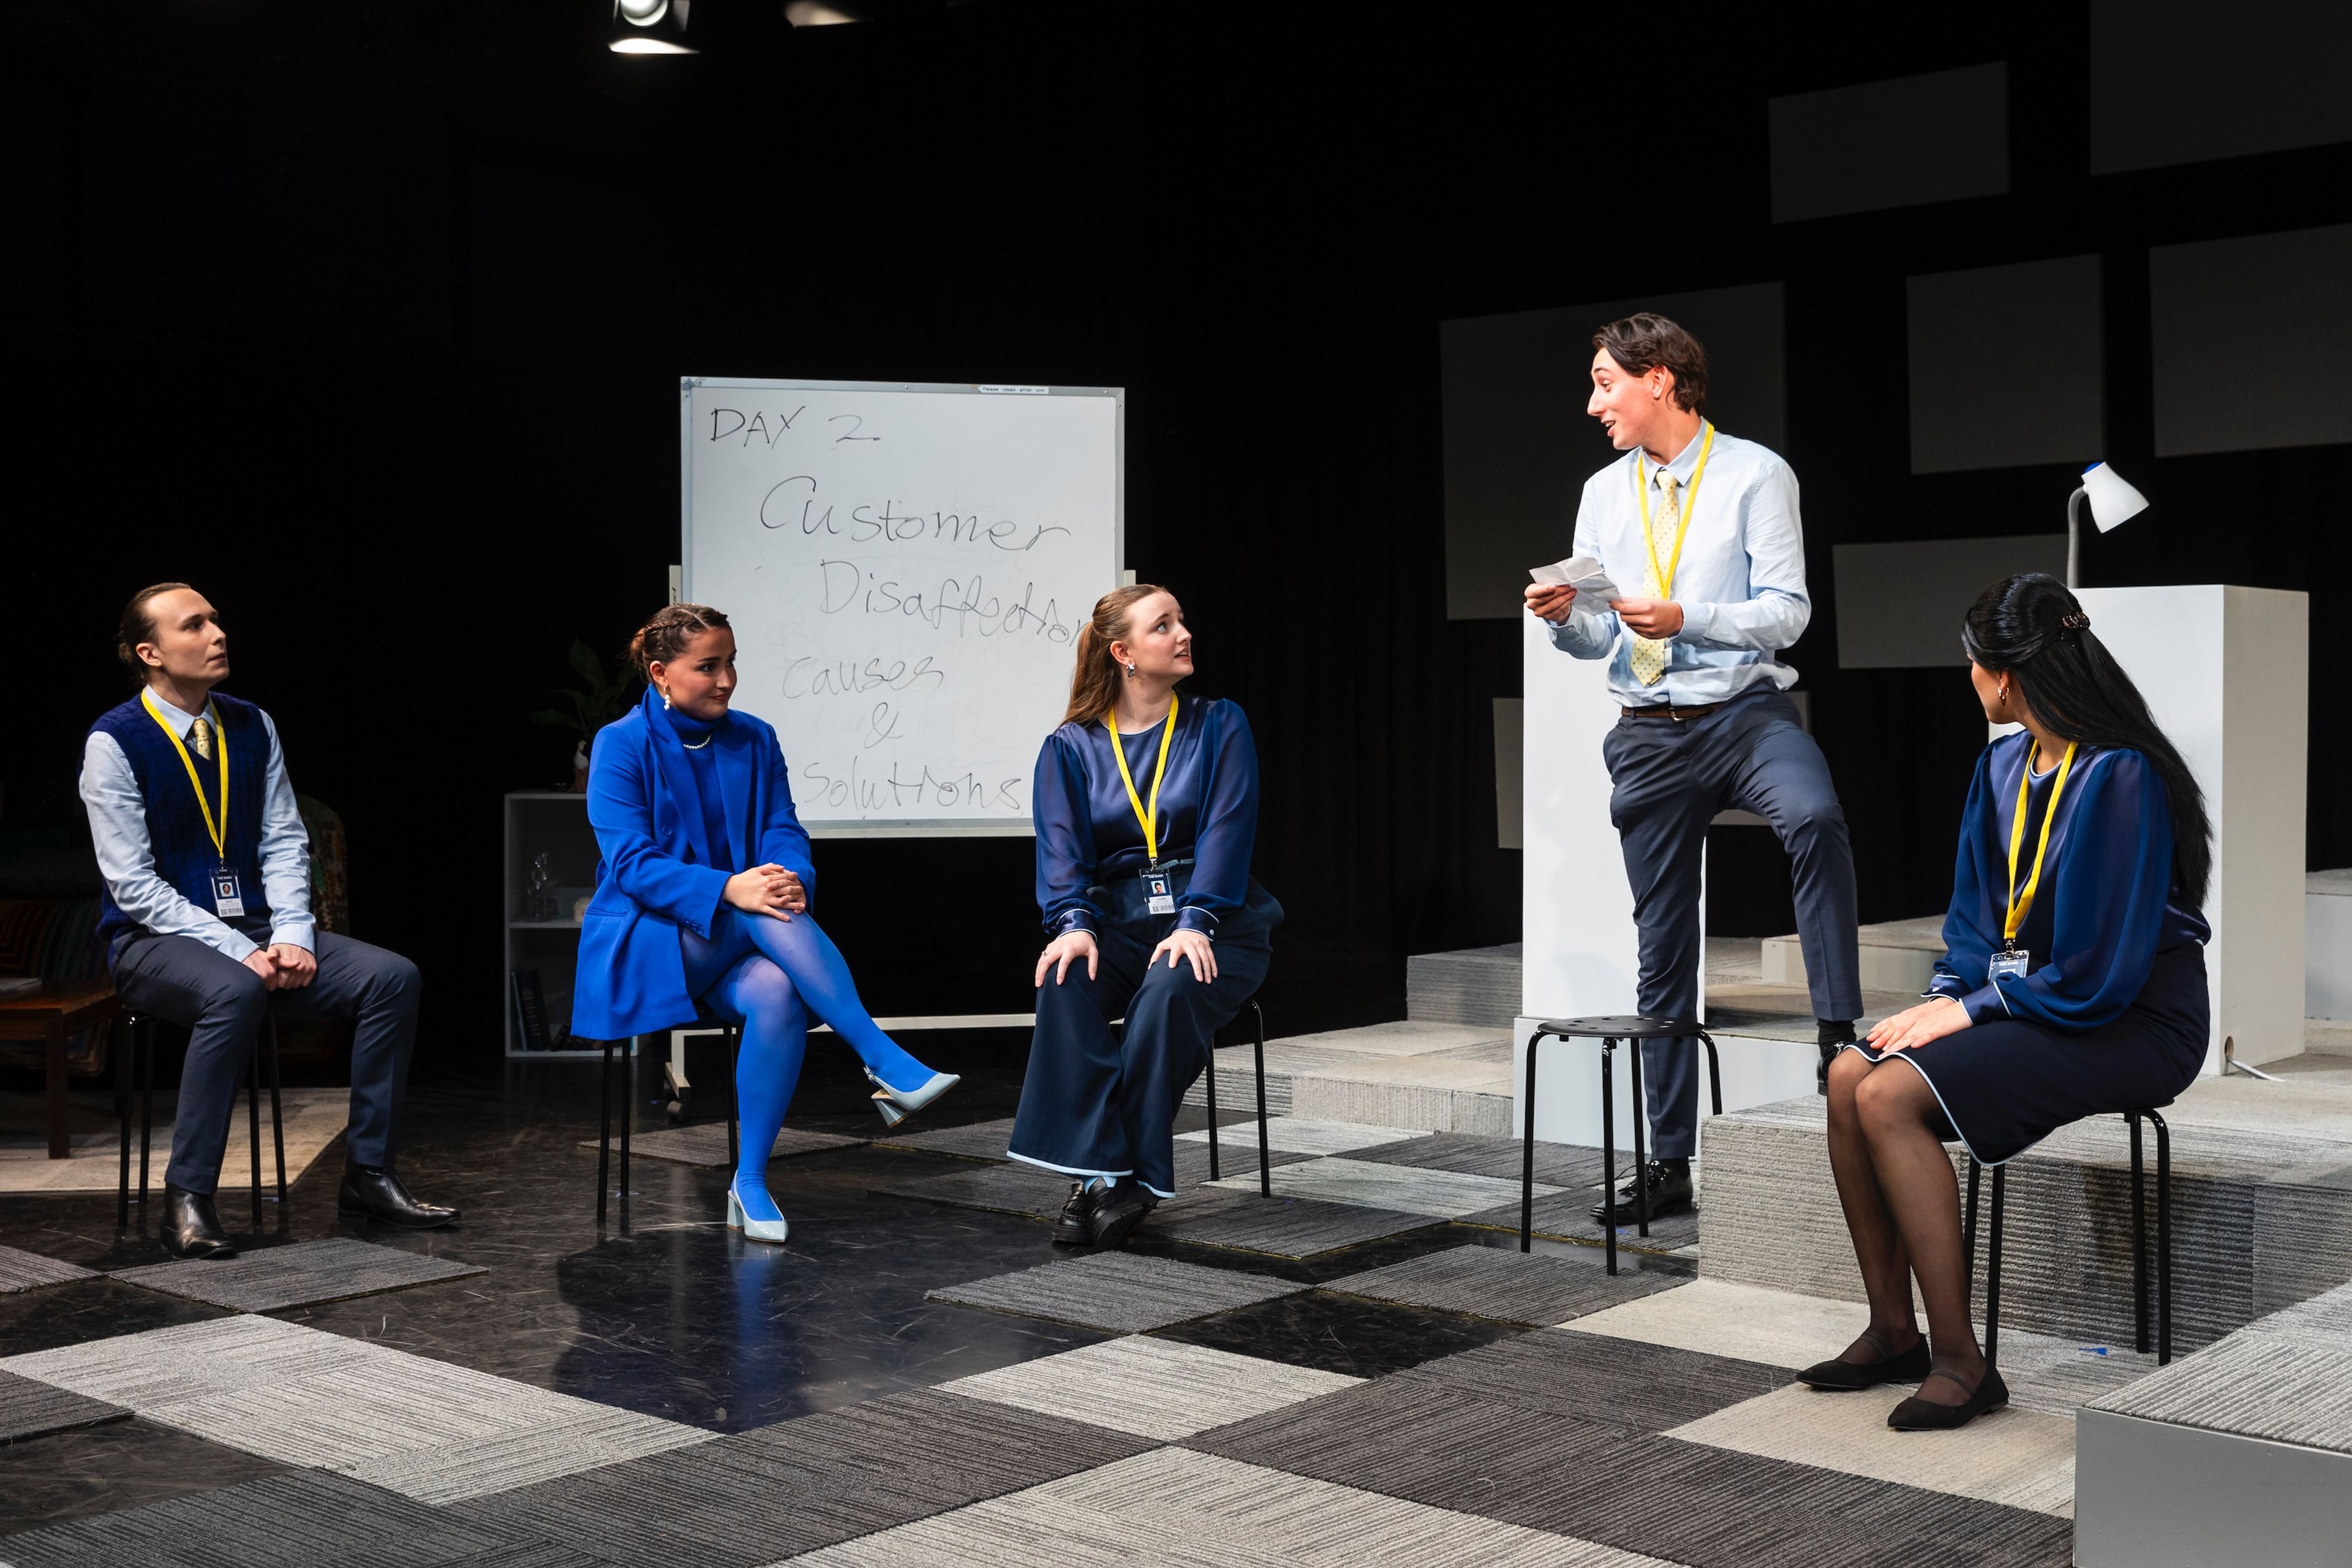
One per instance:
(1664,711)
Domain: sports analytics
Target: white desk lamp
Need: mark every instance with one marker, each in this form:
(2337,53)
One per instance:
(2113,501)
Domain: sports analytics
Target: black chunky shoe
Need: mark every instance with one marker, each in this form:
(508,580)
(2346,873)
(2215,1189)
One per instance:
(1850,1377)
(1833,1036)
(1670,1193)
(1076,1226)
(191,1227)
(1118,1209)
(1916,1414)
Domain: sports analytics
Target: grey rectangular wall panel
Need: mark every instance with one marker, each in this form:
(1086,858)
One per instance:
(1941,137)
(1518,445)
(2151,1495)
(2221,311)
(2005,366)
(1899,605)
(2182,81)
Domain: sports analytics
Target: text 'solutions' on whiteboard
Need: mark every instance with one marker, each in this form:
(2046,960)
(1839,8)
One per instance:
(907,568)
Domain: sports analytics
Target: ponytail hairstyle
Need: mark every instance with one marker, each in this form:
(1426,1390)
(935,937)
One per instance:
(2032,629)
(665,636)
(1094,684)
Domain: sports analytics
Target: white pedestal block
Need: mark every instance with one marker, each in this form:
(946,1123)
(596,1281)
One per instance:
(2327,944)
(2227,672)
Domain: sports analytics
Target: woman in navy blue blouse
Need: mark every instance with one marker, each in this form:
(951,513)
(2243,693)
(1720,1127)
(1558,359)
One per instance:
(1146,805)
(2074,984)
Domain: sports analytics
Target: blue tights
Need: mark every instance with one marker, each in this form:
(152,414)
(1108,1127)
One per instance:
(769,975)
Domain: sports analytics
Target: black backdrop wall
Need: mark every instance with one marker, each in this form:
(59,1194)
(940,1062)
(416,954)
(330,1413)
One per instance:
(277,271)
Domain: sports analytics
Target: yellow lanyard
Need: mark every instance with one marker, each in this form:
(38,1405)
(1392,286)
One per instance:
(1151,818)
(2017,906)
(1665,574)
(219,830)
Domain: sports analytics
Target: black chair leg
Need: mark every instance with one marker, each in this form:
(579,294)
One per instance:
(604,1130)
(276,1113)
(1641,1143)
(1527,1151)
(2163,1240)
(144,1035)
(628,1108)
(2139,1239)
(1968,1222)
(124,1030)
(253,1120)
(1608,1149)
(1212,1078)
(734,1110)
(1713,1071)
(1992,1271)
(1265,1148)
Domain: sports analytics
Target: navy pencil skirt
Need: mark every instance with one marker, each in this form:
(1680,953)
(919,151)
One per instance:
(2007,1084)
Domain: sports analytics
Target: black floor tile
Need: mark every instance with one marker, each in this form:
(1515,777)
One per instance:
(87,1310)
(102,1469)
(1626,1383)
(1339,1333)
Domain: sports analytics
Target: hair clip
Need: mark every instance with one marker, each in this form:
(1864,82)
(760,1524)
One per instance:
(2077,622)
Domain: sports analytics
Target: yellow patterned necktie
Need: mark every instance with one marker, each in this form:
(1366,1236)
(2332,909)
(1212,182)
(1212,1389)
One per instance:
(200,735)
(1651,654)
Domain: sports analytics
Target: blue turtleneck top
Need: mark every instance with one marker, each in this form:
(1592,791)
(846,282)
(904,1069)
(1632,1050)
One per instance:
(694,737)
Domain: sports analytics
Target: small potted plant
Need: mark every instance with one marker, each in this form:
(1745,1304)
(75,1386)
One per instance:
(588,707)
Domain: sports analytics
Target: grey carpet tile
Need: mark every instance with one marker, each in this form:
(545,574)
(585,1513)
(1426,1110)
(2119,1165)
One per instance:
(1539,1289)
(705,1143)
(973,1140)
(1375,1185)
(22,1270)
(1282,1227)
(304,1519)
(1557,1164)
(30,1409)
(2283,1388)
(1177,1509)
(301,1274)
(1627,1383)
(425,1428)
(1590,1481)
(792,1488)
(1152,1387)
(1237,1160)
(1122,1291)
(2326,1317)
(1003,1189)
(1568,1216)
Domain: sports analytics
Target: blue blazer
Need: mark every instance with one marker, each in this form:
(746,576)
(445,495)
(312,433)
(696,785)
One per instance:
(656,876)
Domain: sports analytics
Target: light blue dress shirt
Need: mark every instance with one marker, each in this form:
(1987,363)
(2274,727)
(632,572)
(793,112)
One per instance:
(126,856)
(1741,580)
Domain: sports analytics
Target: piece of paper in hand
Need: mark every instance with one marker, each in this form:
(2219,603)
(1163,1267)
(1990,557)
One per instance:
(1582,573)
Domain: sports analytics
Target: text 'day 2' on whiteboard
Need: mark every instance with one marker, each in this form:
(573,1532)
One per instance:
(907,568)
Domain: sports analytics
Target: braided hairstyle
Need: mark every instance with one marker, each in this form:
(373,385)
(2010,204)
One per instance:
(2031,628)
(664,637)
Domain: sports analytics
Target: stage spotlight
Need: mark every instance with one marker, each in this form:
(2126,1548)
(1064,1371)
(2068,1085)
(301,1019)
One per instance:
(817,13)
(2113,501)
(649,27)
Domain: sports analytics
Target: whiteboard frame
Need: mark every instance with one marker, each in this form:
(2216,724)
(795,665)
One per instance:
(901,827)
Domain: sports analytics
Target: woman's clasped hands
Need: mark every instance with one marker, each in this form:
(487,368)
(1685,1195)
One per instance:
(767,890)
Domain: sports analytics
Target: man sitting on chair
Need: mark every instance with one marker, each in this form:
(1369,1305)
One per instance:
(206,916)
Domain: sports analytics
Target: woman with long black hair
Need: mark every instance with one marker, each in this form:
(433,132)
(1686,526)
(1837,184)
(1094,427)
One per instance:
(2074,984)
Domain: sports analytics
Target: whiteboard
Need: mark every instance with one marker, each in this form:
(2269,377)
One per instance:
(907,568)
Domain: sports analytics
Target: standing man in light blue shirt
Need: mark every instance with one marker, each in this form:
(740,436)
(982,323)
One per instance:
(206,917)
(1699,531)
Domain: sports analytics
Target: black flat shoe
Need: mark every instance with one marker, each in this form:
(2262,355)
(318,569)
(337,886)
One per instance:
(1076,1226)
(1118,1209)
(192,1229)
(1916,1414)
(371,1192)
(1851,1376)
(1670,1193)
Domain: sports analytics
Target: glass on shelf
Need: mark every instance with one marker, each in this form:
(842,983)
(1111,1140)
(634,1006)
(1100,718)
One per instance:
(539,904)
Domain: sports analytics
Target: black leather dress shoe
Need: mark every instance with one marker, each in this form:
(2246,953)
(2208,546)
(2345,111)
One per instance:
(191,1227)
(374,1192)
(1670,1193)
(1849,1376)
(1076,1226)
(1118,1209)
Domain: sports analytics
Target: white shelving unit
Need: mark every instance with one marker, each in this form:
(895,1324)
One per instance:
(553,823)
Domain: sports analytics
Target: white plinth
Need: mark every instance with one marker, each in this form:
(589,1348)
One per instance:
(2327,944)
(2227,672)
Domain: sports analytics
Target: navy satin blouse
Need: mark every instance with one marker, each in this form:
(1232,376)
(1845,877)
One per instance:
(1088,834)
(2107,903)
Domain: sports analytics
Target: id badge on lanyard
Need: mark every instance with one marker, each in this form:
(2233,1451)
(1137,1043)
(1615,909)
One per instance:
(1159,894)
(229,899)
(2015,964)
(1158,888)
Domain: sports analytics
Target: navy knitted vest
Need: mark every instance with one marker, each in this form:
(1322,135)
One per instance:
(183,851)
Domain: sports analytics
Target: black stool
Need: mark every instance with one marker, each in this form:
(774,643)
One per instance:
(734,1033)
(139,1029)
(1608,1032)
(1265,1157)
(2140,1240)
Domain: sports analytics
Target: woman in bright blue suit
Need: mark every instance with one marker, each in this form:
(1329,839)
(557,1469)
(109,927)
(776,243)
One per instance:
(703,899)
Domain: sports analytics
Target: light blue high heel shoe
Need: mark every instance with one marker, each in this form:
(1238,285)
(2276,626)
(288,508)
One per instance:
(895,1105)
(771,1230)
